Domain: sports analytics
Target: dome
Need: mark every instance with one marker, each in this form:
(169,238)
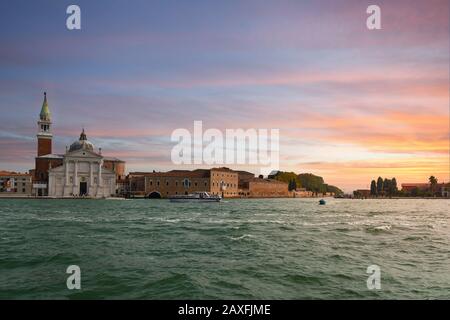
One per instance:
(82,144)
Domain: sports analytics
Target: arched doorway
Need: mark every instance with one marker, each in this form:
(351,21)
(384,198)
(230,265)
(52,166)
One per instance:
(154,195)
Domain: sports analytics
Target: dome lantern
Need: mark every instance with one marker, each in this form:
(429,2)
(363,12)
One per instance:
(82,144)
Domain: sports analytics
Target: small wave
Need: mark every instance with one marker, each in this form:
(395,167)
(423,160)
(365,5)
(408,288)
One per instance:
(241,237)
(304,279)
(342,229)
(379,229)
(386,227)
(65,219)
(413,238)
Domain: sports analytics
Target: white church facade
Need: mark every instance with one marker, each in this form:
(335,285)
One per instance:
(79,172)
(82,173)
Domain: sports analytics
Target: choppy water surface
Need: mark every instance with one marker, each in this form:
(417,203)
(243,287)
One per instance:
(238,249)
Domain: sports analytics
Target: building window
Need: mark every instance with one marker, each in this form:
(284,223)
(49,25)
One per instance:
(157,183)
(195,184)
(167,183)
(151,182)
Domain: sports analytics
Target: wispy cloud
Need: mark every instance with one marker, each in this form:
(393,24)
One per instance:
(350,103)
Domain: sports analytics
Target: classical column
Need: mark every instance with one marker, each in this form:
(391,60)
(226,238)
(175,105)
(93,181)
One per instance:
(75,173)
(91,174)
(66,163)
(100,173)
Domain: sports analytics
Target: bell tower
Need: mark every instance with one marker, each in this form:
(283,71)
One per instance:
(44,135)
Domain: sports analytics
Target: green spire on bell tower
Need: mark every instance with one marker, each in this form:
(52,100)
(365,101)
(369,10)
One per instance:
(44,134)
(45,114)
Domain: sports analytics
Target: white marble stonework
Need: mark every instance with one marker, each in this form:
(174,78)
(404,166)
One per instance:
(81,174)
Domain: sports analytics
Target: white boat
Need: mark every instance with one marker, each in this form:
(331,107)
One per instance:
(196,197)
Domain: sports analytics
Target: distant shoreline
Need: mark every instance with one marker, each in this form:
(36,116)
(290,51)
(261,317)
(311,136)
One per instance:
(393,198)
(243,198)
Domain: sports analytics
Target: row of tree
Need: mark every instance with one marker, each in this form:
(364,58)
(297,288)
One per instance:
(384,187)
(308,181)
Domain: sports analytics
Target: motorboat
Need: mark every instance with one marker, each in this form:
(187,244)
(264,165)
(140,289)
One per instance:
(196,197)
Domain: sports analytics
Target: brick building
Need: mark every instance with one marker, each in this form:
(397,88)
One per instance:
(15,184)
(217,181)
(443,189)
(263,188)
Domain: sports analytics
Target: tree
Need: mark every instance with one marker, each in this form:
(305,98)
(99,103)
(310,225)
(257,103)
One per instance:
(308,181)
(334,190)
(373,188)
(433,183)
(379,185)
(292,185)
(312,182)
(386,186)
(288,177)
(394,188)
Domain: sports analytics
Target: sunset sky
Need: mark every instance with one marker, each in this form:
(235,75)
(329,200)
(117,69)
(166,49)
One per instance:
(351,104)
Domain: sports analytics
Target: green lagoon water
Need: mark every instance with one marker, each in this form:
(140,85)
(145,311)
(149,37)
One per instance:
(237,249)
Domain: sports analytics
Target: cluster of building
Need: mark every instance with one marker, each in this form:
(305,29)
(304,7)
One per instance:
(408,189)
(440,188)
(217,181)
(15,183)
(83,171)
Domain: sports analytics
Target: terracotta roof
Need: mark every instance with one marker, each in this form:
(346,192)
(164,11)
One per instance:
(241,172)
(415,184)
(112,159)
(199,173)
(11,173)
(273,181)
(420,185)
(223,169)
